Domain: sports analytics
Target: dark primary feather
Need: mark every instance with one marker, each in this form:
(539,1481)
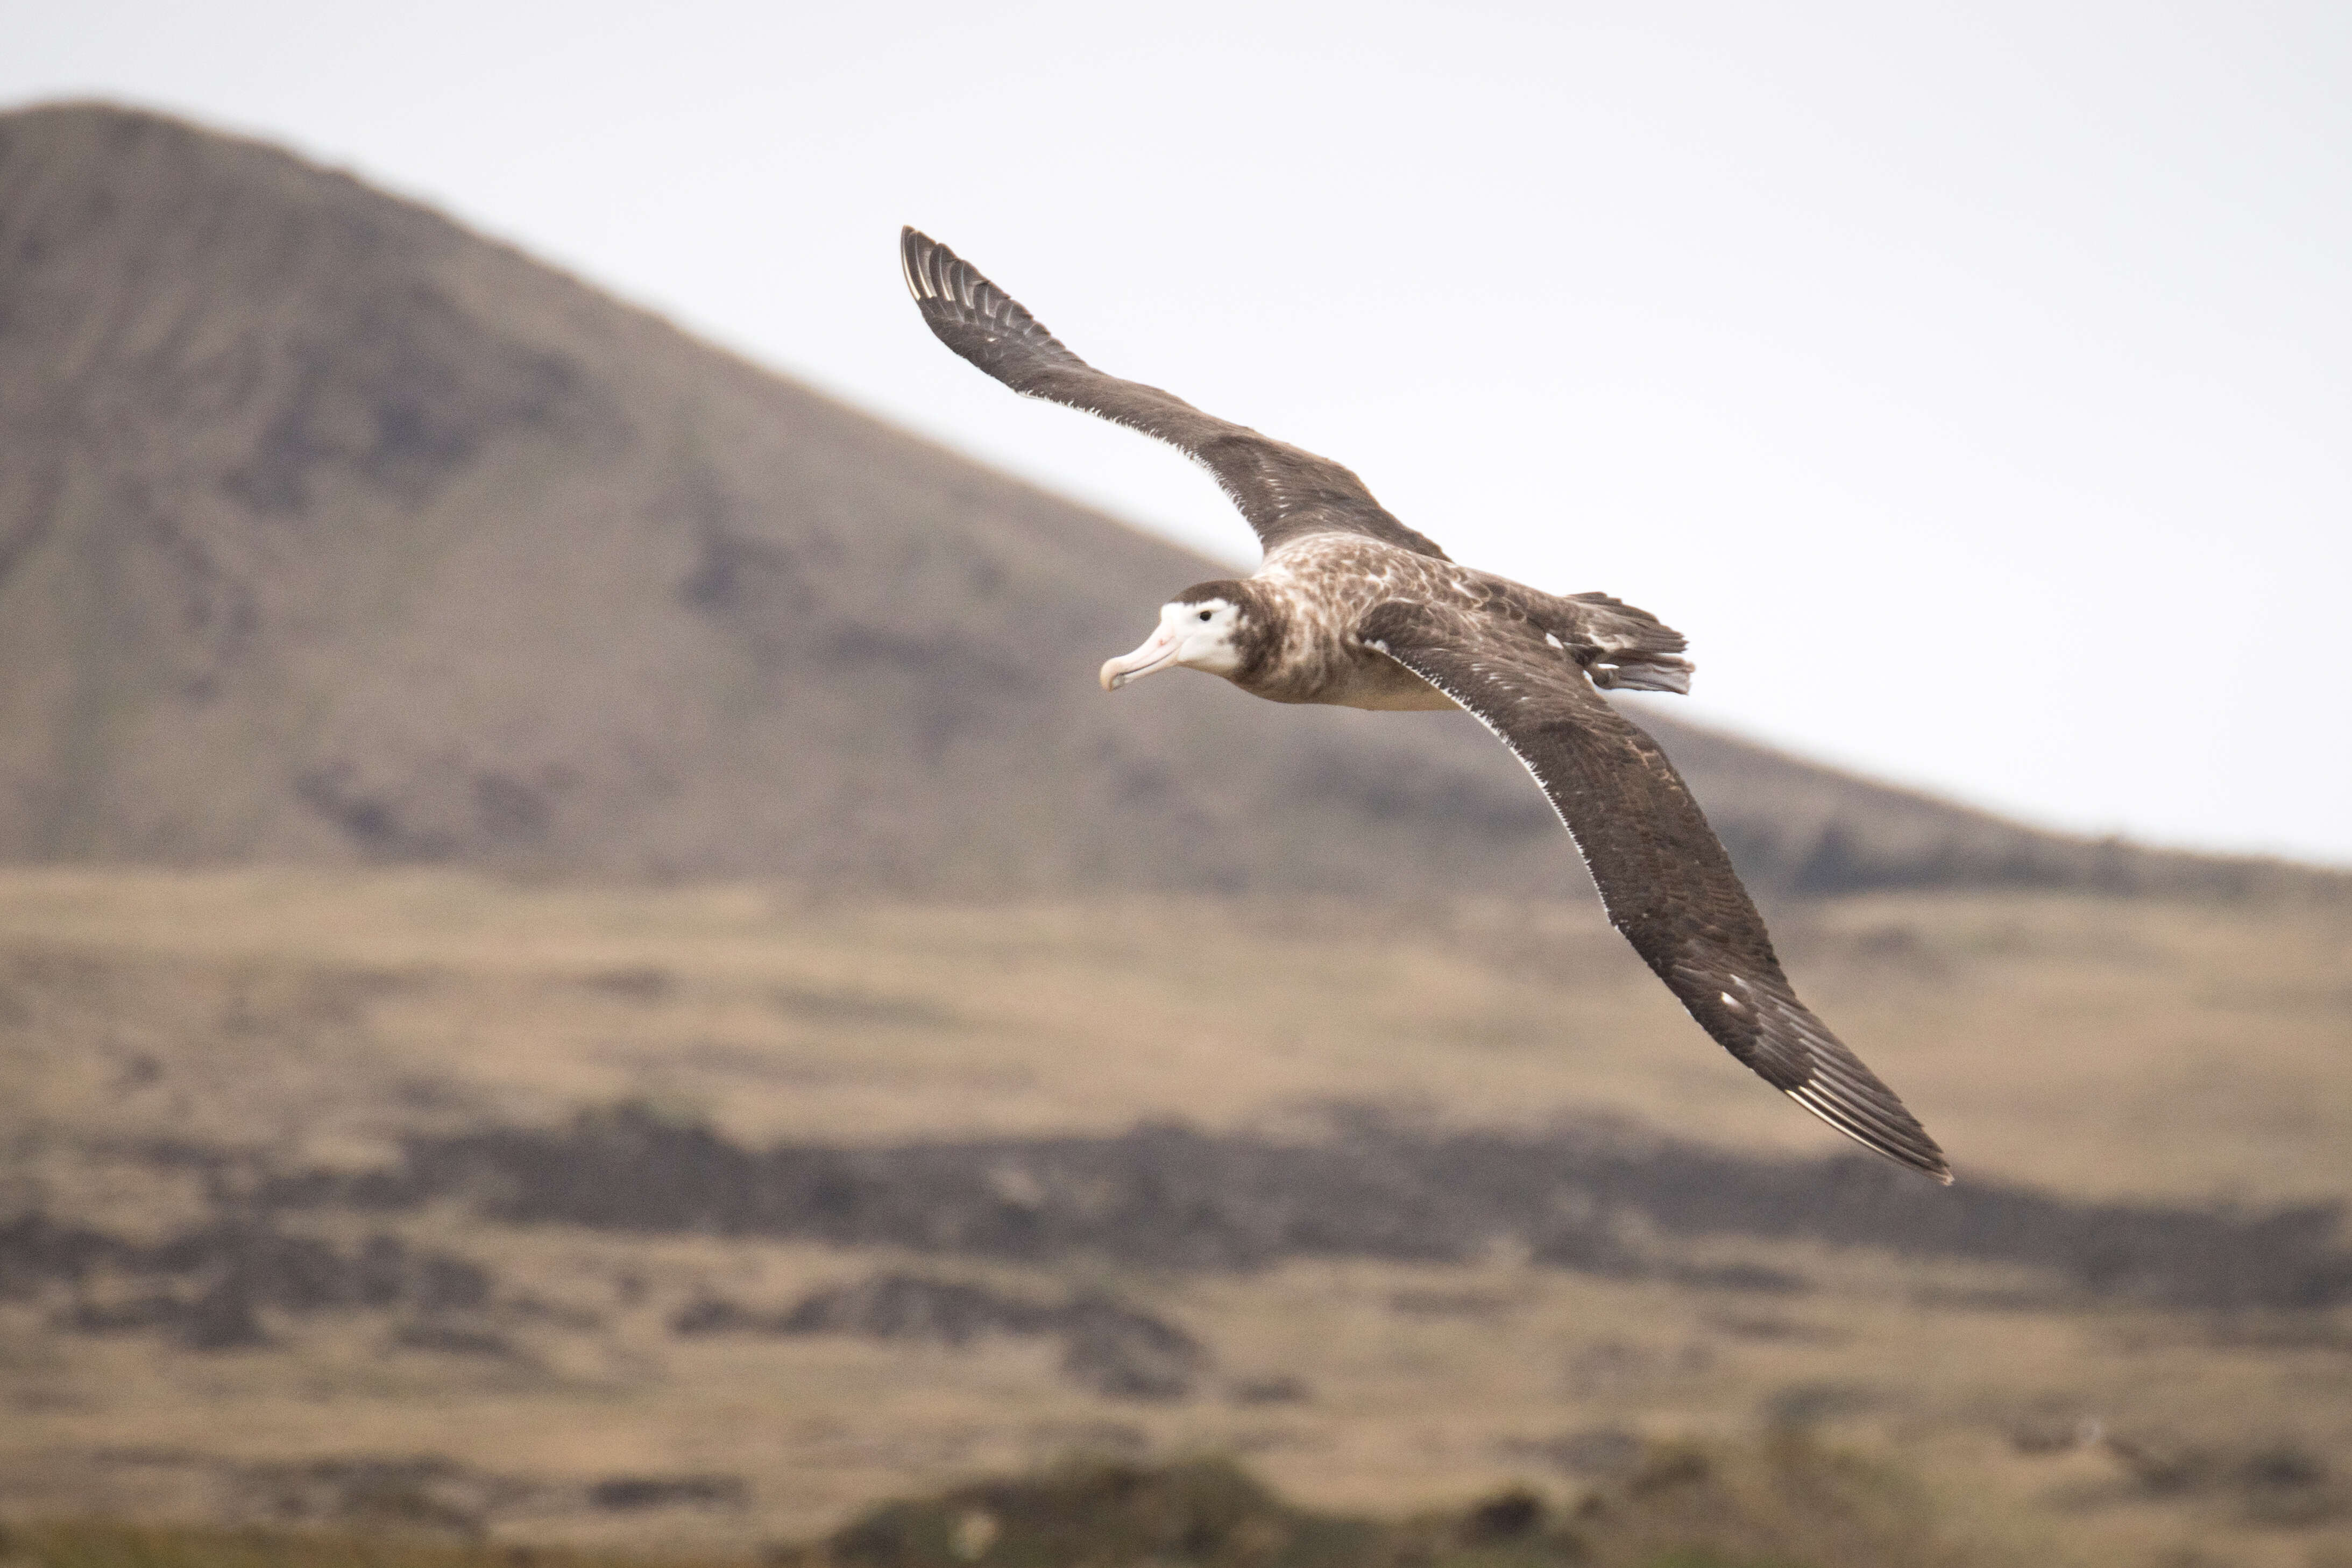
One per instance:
(1284,493)
(1662,874)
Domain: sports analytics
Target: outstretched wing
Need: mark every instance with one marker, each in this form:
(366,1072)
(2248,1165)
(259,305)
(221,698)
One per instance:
(1284,493)
(1662,874)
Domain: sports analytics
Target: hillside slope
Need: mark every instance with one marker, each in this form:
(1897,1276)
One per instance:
(330,532)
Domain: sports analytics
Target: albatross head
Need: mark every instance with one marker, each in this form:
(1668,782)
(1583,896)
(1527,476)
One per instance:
(1210,628)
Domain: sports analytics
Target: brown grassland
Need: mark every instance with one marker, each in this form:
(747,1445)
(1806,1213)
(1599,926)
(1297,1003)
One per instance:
(167,1036)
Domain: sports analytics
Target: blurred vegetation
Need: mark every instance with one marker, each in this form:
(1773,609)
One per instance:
(1787,1503)
(98,1543)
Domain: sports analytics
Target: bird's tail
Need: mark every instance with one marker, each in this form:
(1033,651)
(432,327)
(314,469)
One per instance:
(1633,650)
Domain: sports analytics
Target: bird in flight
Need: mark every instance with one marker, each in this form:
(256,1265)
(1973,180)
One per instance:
(1351,607)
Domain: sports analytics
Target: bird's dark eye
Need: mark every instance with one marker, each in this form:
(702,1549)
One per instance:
(1204,615)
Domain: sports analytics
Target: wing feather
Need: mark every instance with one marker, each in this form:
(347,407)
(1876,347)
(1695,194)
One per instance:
(1662,873)
(1284,493)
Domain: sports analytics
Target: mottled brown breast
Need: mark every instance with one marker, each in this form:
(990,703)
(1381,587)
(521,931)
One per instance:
(1319,590)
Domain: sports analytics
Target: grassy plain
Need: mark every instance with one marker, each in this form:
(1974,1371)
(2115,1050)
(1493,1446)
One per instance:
(2101,1049)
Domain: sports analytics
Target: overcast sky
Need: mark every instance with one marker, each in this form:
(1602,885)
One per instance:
(1972,383)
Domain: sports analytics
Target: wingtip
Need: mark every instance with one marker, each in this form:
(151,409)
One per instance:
(915,248)
(1932,1164)
(973,315)
(1898,1137)
(934,274)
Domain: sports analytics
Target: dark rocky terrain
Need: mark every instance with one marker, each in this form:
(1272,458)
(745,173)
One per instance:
(1169,1198)
(332,533)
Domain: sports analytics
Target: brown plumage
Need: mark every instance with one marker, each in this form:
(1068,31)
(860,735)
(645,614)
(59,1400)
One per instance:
(1351,607)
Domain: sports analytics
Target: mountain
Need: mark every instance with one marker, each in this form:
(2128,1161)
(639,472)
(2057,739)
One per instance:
(331,532)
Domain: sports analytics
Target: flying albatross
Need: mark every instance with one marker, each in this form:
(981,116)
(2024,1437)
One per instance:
(1353,608)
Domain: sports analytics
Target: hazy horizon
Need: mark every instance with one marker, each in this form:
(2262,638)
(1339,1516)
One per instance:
(1970,388)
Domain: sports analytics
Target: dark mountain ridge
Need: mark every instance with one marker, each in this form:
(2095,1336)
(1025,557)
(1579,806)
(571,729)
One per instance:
(330,532)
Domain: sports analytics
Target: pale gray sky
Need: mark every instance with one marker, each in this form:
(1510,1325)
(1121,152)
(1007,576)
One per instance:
(1972,383)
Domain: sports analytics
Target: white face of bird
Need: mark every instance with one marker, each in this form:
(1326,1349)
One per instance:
(1203,636)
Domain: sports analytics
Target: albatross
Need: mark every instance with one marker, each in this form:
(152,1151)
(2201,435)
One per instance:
(1352,608)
